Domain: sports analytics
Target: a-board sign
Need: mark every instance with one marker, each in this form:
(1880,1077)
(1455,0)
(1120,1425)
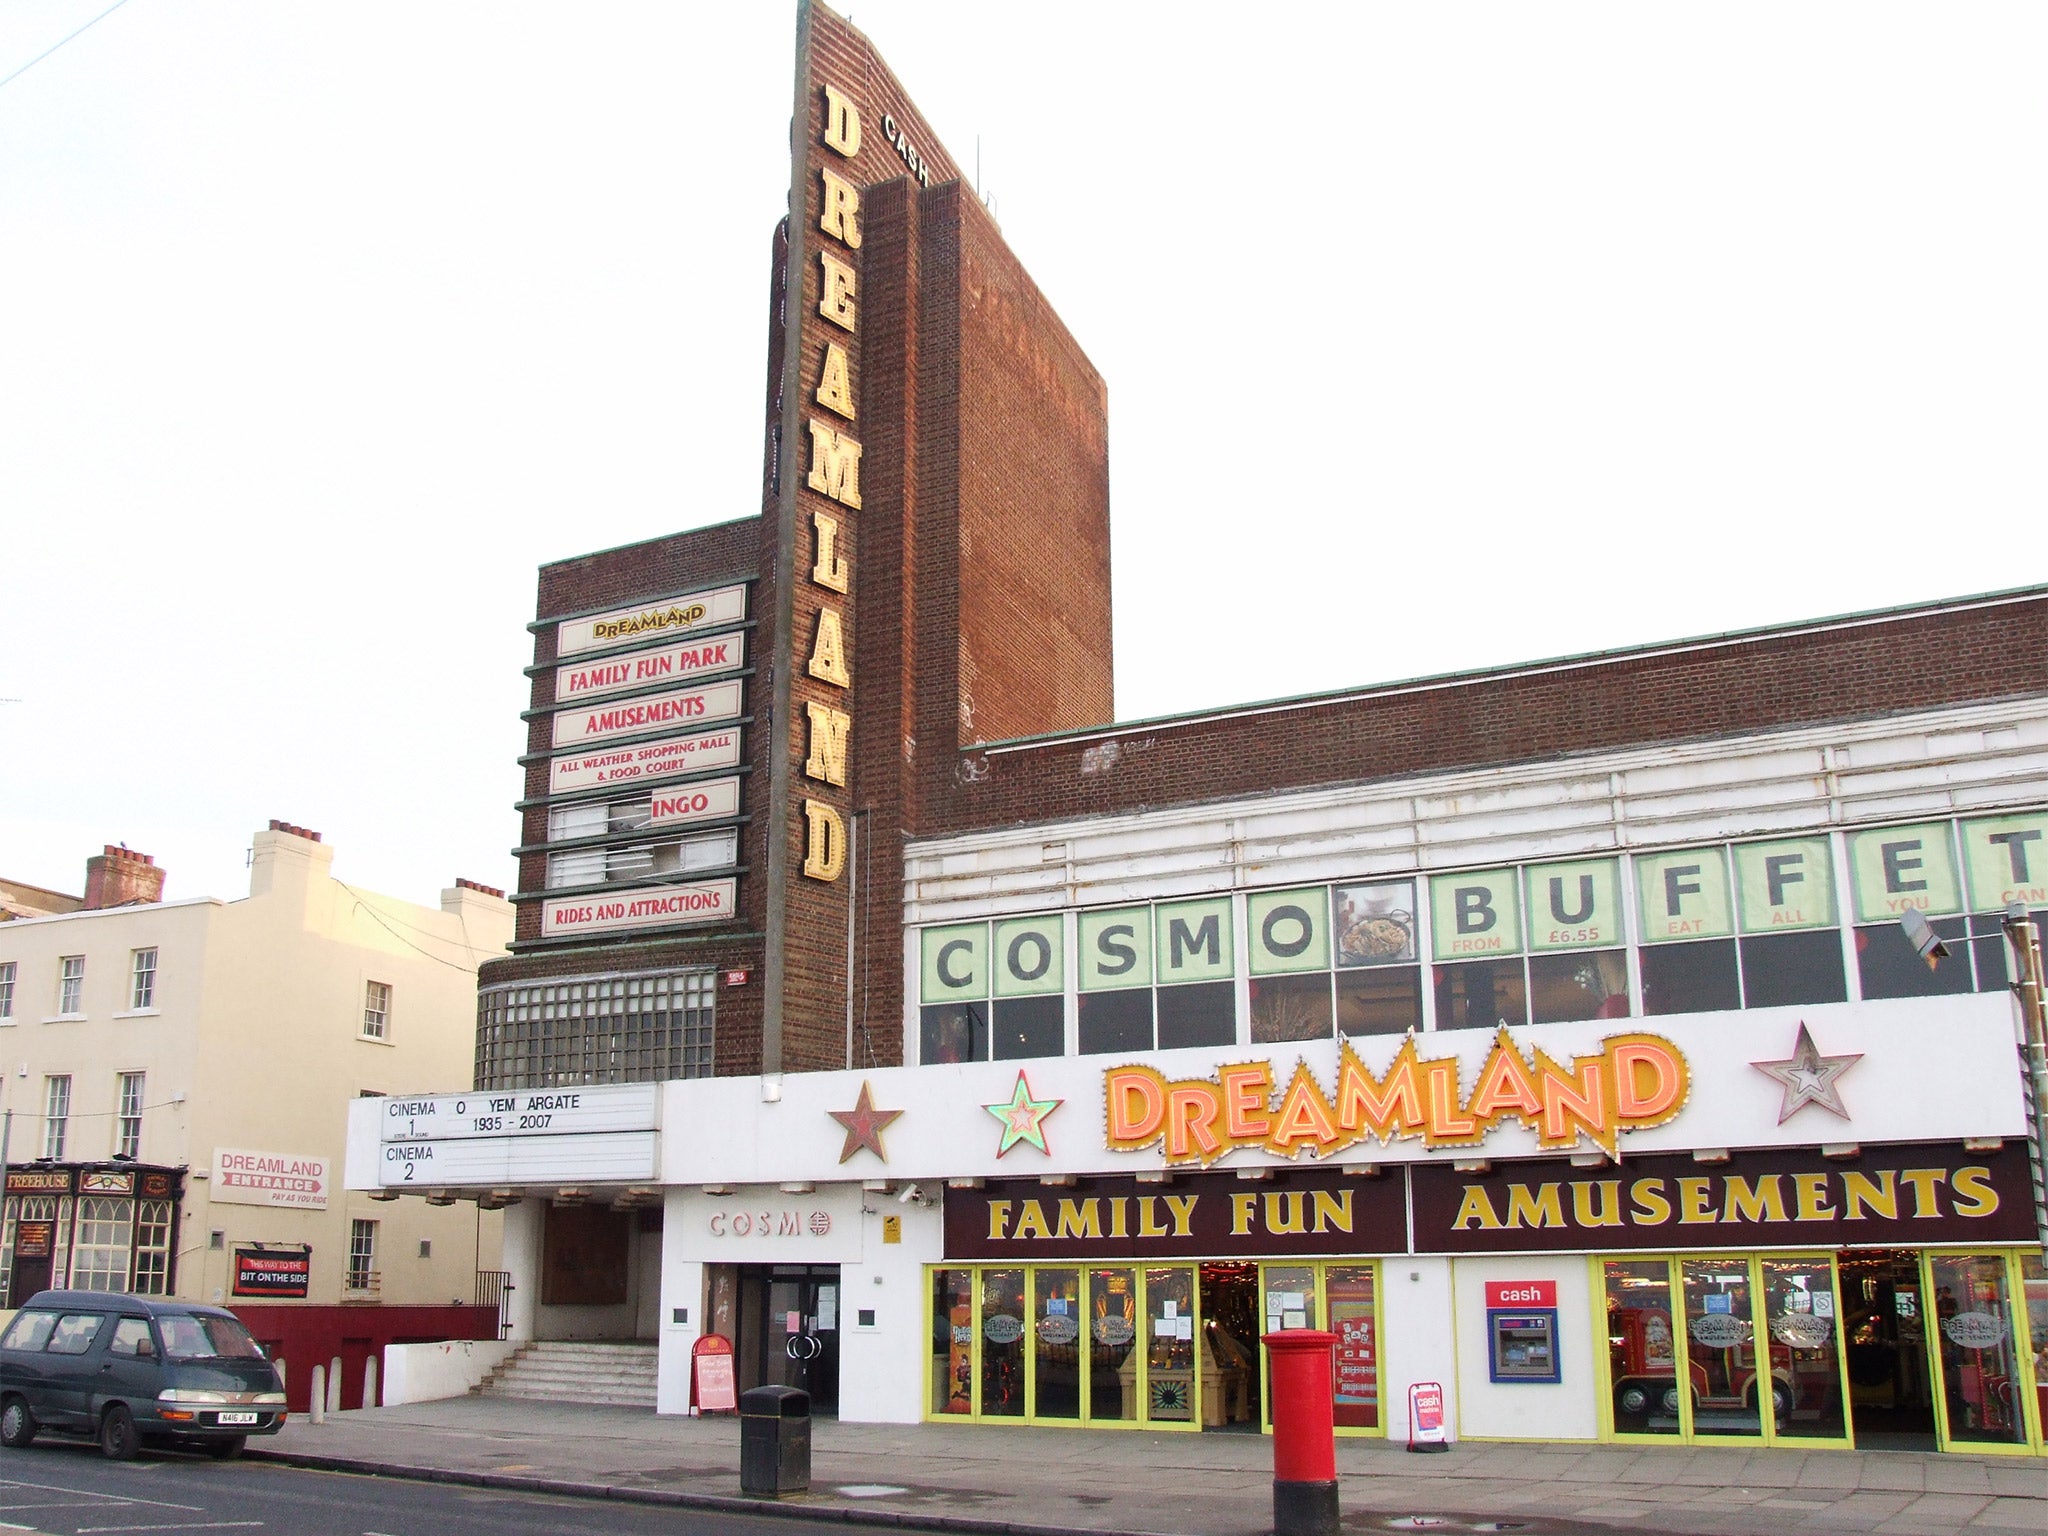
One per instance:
(1426,1416)
(711,1382)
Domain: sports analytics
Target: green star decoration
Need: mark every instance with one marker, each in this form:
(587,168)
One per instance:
(1023,1117)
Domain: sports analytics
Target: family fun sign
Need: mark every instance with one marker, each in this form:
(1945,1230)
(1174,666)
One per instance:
(1635,1081)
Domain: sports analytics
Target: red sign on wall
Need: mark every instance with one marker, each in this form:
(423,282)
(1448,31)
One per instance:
(1511,1295)
(268,1272)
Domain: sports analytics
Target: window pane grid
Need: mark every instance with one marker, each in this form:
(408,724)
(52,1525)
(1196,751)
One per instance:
(71,984)
(376,1010)
(128,1125)
(7,990)
(597,1029)
(56,1114)
(100,1250)
(142,991)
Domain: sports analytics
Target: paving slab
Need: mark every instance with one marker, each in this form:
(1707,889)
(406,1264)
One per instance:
(1029,1479)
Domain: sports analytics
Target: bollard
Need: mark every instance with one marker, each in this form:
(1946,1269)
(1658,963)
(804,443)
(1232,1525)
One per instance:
(334,1385)
(370,1382)
(1301,1365)
(318,1398)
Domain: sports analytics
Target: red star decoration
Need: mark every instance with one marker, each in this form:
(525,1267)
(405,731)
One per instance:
(864,1125)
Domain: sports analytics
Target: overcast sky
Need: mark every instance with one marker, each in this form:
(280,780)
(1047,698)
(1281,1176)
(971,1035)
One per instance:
(1437,336)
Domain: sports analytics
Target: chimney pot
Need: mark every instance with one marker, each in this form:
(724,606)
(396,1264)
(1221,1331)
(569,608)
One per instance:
(121,877)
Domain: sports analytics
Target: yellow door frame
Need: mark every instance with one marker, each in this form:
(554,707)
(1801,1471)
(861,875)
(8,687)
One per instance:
(2021,1337)
(1319,1277)
(1768,1434)
(1141,1344)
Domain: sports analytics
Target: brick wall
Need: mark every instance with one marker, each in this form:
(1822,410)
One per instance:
(1913,660)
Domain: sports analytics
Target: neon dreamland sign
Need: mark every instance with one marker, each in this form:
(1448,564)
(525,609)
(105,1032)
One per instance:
(1634,1082)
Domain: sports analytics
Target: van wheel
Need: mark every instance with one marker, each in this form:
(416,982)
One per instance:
(228,1449)
(17,1425)
(118,1440)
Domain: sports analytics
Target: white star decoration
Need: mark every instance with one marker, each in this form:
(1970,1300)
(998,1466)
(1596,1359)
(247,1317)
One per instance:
(1809,1077)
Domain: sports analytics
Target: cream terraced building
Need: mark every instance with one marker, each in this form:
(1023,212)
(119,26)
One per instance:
(178,1074)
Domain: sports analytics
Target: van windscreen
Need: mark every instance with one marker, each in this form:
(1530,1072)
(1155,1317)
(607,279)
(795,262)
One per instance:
(206,1338)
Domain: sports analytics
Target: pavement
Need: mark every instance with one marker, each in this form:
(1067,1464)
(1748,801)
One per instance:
(989,1479)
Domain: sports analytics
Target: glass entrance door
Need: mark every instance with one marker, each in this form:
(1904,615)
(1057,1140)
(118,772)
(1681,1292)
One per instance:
(1732,1348)
(1976,1344)
(800,1332)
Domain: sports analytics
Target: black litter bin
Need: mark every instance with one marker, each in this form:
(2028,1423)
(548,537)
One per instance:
(775,1442)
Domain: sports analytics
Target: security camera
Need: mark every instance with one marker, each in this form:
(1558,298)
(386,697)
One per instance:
(911,1194)
(1929,944)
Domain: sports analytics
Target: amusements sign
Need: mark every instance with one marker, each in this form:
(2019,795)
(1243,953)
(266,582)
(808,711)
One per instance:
(280,1274)
(1908,1195)
(1111,1217)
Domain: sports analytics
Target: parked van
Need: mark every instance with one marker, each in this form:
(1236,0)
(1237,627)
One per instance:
(125,1370)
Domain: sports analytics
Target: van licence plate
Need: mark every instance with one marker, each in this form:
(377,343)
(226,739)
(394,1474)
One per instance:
(236,1418)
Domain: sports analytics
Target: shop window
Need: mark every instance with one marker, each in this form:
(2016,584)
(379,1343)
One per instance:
(2034,1279)
(100,1252)
(951,1032)
(1354,1318)
(1690,978)
(1002,1343)
(1481,994)
(1642,1349)
(152,1247)
(1200,1013)
(1029,1026)
(1290,1008)
(1721,1347)
(1784,969)
(1980,1368)
(1890,967)
(1112,1344)
(1116,1021)
(1379,977)
(1056,1342)
(1379,1002)
(1800,1316)
(1578,984)
(952,1384)
(1170,1345)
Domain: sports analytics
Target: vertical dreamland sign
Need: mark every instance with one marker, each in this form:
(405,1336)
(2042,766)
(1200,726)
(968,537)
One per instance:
(853,128)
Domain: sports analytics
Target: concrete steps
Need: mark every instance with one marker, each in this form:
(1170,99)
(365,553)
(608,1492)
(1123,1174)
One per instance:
(618,1375)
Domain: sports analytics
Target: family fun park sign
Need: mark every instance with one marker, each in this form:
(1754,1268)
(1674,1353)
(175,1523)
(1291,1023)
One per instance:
(1634,1082)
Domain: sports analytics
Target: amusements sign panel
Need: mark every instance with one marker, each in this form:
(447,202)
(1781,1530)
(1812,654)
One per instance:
(1908,1195)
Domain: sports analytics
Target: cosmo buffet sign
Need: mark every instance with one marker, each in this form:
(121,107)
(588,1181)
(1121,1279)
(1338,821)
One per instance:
(566,1134)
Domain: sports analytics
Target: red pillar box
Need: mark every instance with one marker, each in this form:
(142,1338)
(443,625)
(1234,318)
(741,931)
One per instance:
(1302,1365)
